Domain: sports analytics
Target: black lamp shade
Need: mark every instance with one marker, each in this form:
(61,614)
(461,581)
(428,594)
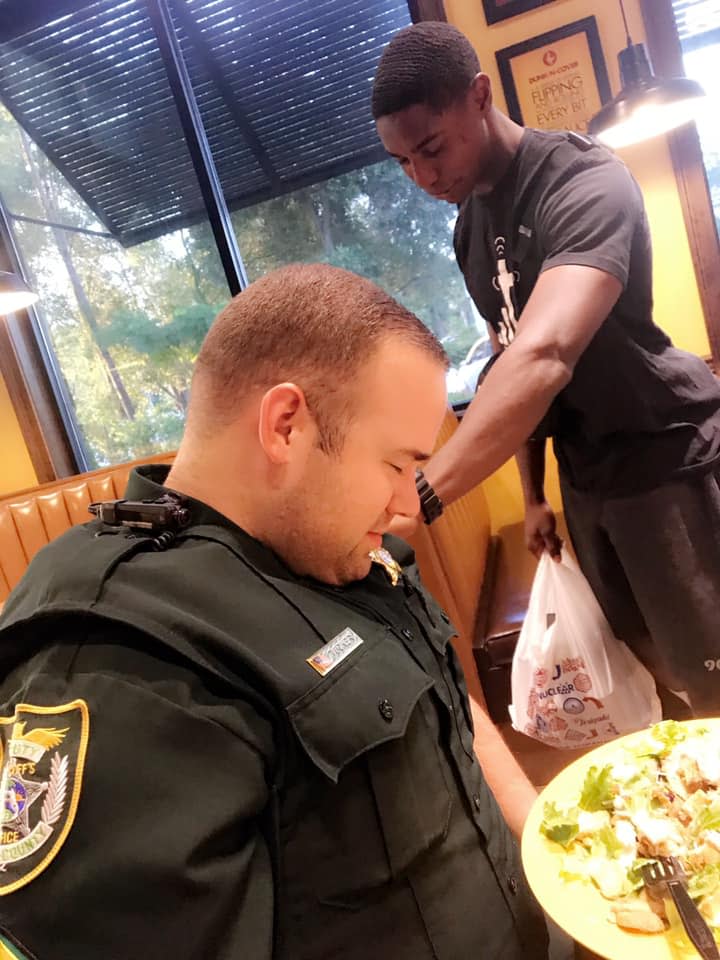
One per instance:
(646,106)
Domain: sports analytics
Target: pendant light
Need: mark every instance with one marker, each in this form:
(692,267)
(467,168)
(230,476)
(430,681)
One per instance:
(14,293)
(646,106)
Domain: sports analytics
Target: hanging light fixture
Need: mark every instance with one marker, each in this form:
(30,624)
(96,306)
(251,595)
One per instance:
(646,106)
(14,293)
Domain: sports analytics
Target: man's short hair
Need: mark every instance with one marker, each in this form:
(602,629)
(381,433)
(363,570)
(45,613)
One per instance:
(432,63)
(310,324)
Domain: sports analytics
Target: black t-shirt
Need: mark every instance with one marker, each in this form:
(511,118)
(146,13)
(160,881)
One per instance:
(637,412)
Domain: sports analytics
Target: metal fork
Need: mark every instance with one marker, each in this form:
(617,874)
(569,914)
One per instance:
(666,876)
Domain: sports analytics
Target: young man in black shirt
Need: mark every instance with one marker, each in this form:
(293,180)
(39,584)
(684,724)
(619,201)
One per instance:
(553,241)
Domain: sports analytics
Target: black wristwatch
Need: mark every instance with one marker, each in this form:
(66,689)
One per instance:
(430,503)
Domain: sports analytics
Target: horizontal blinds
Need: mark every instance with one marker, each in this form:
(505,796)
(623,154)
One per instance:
(283,88)
(695,17)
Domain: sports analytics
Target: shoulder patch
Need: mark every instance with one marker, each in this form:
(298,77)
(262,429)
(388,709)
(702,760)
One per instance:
(42,755)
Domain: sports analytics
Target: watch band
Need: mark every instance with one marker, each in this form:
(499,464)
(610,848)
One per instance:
(431,505)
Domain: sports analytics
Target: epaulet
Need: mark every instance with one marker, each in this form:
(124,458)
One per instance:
(73,567)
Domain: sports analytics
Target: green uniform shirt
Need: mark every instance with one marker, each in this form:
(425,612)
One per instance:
(180,781)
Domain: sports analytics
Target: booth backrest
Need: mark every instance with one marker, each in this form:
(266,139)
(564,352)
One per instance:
(31,518)
(453,552)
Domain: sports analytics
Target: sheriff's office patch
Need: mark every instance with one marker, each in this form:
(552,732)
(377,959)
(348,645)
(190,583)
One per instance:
(42,754)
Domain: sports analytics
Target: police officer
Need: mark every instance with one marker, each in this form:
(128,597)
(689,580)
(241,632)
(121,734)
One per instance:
(233,724)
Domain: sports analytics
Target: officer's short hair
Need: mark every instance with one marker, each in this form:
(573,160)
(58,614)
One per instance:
(430,63)
(310,324)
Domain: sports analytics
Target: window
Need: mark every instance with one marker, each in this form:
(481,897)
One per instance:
(672,25)
(98,184)
(698,25)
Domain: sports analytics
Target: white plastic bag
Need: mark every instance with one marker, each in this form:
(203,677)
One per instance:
(573,682)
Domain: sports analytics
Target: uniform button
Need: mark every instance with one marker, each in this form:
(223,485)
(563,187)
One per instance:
(477,802)
(386,710)
(512,885)
(408,634)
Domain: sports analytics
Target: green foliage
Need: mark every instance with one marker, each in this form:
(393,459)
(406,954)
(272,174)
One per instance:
(458,346)
(178,337)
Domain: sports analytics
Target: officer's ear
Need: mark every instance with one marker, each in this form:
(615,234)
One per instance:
(285,424)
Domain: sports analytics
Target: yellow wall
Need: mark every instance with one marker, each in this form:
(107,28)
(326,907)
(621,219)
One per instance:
(677,302)
(17,470)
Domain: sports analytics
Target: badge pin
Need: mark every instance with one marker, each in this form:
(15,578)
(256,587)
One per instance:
(388,562)
(334,652)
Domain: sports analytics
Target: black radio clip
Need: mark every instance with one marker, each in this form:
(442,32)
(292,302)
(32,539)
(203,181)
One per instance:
(167,513)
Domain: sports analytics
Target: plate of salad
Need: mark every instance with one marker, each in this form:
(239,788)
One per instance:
(651,794)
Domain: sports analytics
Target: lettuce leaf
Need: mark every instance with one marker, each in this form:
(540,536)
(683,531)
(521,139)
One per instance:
(634,875)
(597,792)
(560,826)
(605,842)
(662,737)
(707,819)
(705,881)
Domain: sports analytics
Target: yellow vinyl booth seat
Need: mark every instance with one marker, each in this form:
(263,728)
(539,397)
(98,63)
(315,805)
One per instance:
(454,556)
(31,518)
(458,559)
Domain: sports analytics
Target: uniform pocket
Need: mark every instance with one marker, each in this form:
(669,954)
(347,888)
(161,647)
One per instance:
(383,801)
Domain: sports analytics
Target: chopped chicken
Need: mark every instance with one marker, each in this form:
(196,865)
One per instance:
(640,913)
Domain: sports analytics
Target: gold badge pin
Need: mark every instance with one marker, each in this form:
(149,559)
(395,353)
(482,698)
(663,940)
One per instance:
(389,564)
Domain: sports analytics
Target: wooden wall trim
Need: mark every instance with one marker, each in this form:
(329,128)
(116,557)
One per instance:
(690,174)
(20,400)
(28,384)
(426,10)
(33,402)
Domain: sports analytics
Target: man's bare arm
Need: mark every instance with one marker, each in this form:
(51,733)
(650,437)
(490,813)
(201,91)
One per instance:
(503,774)
(531,467)
(565,310)
(540,520)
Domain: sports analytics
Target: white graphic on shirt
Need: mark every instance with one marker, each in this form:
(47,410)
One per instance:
(504,283)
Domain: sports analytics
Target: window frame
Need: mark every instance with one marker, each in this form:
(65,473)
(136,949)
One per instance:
(690,175)
(26,370)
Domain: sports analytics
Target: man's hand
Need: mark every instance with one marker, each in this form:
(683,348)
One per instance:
(402,526)
(540,530)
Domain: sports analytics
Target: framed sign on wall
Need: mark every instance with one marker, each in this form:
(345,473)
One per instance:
(496,10)
(557,80)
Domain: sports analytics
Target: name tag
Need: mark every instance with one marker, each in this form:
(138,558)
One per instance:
(334,652)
